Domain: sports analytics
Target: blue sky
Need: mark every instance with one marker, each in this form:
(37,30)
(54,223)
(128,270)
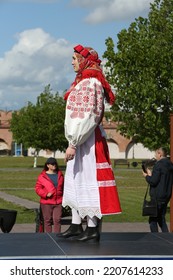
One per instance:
(37,39)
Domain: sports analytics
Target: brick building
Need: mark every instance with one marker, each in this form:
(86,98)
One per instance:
(6,138)
(119,146)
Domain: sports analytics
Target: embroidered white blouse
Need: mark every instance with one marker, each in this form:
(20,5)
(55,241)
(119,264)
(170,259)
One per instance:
(83,110)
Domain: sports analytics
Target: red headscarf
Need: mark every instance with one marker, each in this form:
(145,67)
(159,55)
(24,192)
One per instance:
(89,67)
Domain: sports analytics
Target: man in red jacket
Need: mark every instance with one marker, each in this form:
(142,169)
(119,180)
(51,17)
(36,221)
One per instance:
(49,187)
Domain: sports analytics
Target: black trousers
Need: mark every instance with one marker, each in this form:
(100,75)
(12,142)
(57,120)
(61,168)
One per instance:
(160,220)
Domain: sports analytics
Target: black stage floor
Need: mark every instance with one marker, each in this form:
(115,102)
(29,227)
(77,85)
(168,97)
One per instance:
(112,245)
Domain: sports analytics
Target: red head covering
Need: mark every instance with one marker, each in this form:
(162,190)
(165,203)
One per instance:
(89,67)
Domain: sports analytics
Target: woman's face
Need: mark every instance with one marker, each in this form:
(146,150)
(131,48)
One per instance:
(75,63)
(52,167)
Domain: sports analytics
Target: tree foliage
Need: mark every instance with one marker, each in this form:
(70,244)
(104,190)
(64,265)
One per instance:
(41,126)
(141,71)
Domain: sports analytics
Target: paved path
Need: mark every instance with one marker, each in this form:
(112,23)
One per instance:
(106,227)
(19,201)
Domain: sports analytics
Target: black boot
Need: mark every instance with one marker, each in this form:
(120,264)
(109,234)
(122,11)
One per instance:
(99,225)
(90,234)
(73,230)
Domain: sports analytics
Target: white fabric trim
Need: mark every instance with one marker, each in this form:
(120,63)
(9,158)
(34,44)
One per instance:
(103,165)
(109,183)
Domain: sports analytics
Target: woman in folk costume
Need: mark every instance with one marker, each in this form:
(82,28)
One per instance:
(89,188)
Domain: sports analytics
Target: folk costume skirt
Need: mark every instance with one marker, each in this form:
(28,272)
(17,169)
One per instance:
(89,184)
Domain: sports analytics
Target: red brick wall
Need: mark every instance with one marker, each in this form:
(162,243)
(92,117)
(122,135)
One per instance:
(5,133)
(113,134)
(110,129)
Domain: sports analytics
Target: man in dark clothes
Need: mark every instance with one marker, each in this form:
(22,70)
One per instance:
(160,181)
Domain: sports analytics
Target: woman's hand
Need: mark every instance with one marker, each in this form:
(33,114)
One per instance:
(70,153)
(49,194)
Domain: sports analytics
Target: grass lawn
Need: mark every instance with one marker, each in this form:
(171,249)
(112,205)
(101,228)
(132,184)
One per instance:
(18,177)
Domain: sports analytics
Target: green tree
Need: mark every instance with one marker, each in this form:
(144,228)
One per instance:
(141,71)
(41,126)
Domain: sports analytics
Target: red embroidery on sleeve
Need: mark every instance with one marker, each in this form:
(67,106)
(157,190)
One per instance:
(85,100)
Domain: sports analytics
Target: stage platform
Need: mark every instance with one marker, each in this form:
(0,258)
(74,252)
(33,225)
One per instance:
(118,245)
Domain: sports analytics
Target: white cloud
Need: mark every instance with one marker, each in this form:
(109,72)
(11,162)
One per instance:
(37,59)
(113,10)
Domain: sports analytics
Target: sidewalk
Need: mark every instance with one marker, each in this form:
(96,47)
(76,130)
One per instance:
(19,201)
(30,228)
(106,227)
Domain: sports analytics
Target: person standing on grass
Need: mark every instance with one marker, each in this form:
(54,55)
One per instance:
(49,187)
(89,188)
(160,181)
